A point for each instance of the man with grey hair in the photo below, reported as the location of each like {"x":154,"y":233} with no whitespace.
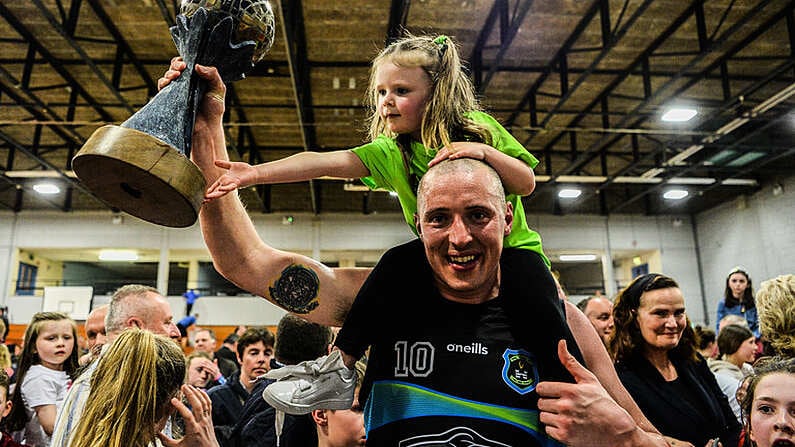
{"x":140,"y":306}
{"x":132,"y":305}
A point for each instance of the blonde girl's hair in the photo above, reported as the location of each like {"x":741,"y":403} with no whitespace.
{"x":5,"y":357}
{"x":451,"y":97}
{"x":775,"y":302}
{"x":18,"y":417}
{"x":131,"y":391}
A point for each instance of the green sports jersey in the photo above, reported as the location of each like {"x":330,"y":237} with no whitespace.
{"x":384,"y":160}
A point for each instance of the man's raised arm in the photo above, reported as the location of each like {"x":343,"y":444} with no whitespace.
{"x":293,"y":282}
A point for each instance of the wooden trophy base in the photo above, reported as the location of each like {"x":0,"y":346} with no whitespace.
{"x":141,"y":175}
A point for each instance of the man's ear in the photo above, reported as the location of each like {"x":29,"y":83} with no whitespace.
{"x":508,"y":218}
{"x":320,"y":417}
{"x":135,"y":322}
{"x":417,"y":224}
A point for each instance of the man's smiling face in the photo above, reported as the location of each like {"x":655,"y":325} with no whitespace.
{"x":463,"y":218}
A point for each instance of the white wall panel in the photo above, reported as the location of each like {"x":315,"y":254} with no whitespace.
{"x":756,"y":232}
{"x":758,"y":235}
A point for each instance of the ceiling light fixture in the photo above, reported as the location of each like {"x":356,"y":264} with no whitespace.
{"x":675,"y":194}
{"x":46,"y":188}
{"x":679,"y":115}
{"x":118,"y":255}
{"x":569,"y":193}
{"x":746,"y":158}
{"x":577,"y":258}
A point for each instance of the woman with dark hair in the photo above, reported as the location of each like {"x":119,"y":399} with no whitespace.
{"x":738,"y":299}
{"x":737,"y":347}
{"x":656,"y":360}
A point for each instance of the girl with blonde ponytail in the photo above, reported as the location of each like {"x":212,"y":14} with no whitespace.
{"x":134,"y":391}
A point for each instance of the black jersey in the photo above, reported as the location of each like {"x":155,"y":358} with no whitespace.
{"x":447,"y":373}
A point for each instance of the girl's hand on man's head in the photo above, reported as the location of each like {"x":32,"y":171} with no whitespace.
{"x":461,"y":149}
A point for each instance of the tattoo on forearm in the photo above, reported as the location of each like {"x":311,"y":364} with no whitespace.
{"x":296,"y":289}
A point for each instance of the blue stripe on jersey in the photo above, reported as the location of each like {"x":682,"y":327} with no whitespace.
{"x":402,"y":400}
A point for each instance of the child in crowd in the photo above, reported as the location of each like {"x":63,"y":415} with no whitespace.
{"x":707,"y":343}
{"x":738,"y":299}
{"x":201,"y":372}
{"x":48,"y":359}
{"x":5,"y":407}
{"x":342,"y":428}
{"x":737,"y":353}
{"x":769,"y":404}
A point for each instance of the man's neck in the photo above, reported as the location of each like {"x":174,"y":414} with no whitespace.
{"x":246,"y":383}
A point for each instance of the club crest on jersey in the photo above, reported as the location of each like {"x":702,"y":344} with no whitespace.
{"x":520,"y":371}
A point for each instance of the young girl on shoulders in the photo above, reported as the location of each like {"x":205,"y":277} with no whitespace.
{"x":47,"y":361}
{"x":423,"y":109}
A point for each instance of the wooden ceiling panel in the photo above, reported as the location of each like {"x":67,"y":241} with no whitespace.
{"x":56,"y":97}
{"x":344,"y":31}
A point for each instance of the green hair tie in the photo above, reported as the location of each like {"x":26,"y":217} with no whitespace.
{"x":441,"y":42}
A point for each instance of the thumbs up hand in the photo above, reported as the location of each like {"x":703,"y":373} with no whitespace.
{"x":583,"y":413}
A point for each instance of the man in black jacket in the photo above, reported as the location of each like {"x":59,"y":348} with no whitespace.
{"x":254,"y":352}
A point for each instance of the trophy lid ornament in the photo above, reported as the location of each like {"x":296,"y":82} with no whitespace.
{"x":142,"y":167}
{"x":254,"y":19}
